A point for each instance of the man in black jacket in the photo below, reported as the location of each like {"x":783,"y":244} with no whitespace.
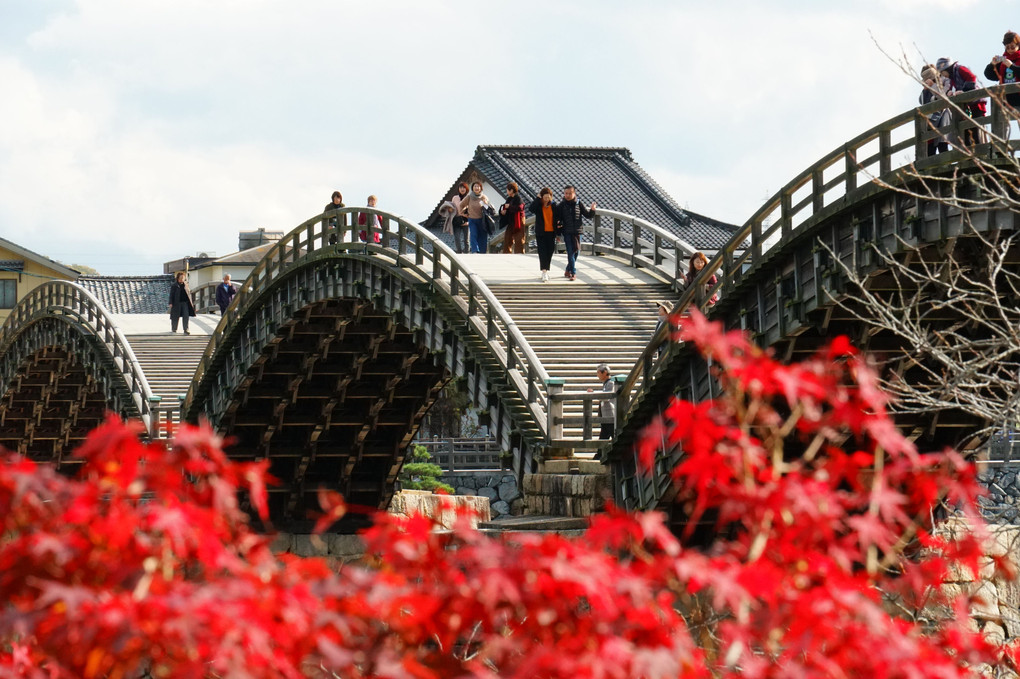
{"x":571,"y":215}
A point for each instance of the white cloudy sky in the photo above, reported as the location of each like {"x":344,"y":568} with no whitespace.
{"x":138,"y":131}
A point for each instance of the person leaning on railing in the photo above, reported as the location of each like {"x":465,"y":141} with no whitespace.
{"x":962,"y":79}
{"x":935,"y":87}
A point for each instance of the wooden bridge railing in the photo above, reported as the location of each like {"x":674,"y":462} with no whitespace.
{"x":79,"y":307}
{"x":408,"y":246}
{"x":637,"y":241}
{"x":463,"y":454}
{"x":829,"y":185}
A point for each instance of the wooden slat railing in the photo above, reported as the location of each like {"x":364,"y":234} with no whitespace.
{"x":632,"y":239}
{"x":78,"y":306}
{"x":830,"y":184}
{"x":408,"y":246}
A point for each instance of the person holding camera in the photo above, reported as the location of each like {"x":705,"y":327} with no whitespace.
{"x":1005,"y":69}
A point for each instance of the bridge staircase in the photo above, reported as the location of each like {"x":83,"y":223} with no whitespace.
{"x":574,"y":326}
{"x":169,"y":362}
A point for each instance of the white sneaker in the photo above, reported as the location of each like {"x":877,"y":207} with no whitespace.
{"x":545,"y":276}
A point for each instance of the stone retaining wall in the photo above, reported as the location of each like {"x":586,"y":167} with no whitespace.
{"x":1002,"y":504}
{"x":498,"y":486}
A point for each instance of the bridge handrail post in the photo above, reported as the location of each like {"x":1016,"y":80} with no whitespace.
{"x":554,"y":413}
{"x":635,"y":244}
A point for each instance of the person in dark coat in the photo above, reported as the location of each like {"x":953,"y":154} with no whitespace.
{"x":511,"y":218}
{"x":335,"y":203}
{"x":181,"y":304}
{"x":545,"y":211}
{"x":571,"y":213}
{"x":224,"y":293}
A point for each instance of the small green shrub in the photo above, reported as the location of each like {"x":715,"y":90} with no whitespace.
{"x":420,"y":473}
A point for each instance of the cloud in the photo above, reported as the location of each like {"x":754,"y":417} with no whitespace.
{"x":134,"y":133}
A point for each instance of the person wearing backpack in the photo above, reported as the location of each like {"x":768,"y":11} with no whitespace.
{"x":962,"y":79}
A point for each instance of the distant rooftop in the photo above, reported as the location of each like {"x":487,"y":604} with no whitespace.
{"x":14,"y":265}
{"x":609,"y":176}
{"x":130,"y":294}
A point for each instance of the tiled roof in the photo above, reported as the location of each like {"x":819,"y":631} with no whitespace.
{"x":250,"y":256}
{"x":606,"y":175}
{"x":67,"y":271}
{"x":130,"y":294}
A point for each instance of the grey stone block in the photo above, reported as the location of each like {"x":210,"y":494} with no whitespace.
{"x":490,"y":493}
{"x":309,"y":545}
{"x":345,"y":545}
{"x":464,"y":490}
{"x":508,"y":491}
{"x":500,"y":508}
{"x":282,"y":543}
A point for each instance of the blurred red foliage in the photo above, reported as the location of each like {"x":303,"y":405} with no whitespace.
{"x":146,"y":565}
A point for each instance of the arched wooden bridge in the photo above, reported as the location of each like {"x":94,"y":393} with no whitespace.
{"x":334,"y":349}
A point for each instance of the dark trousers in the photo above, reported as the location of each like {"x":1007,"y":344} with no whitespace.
{"x":607,"y":431}
{"x":545,"y":241}
{"x":460,"y":239}
{"x":573,"y":243}
{"x":179,"y":310}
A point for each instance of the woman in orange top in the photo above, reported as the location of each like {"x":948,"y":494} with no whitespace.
{"x":546,"y":228}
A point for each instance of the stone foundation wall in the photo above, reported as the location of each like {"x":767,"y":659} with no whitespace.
{"x":996,"y":608}
{"x":1002,"y":504}
{"x":565,"y":494}
{"x":500,"y":487}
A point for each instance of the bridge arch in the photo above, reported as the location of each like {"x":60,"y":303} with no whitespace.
{"x":778,"y":276}
{"x":63,"y":365}
{"x":334,"y":349}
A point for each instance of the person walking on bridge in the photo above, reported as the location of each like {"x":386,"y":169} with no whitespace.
{"x":224,"y":293}
{"x":546,"y":226}
{"x":571,"y":214}
{"x":511,"y":218}
{"x":473,"y":207}
{"x":182,"y":306}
